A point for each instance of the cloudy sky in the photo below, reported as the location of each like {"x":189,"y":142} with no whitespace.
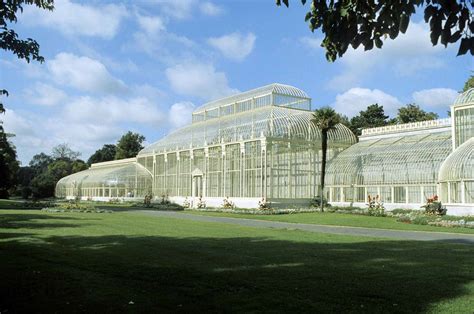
{"x":144,"y":65}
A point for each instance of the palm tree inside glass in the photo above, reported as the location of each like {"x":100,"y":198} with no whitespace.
{"x":325,"y":119}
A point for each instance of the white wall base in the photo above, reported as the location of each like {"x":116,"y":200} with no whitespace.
{"x":239,"y":202}
{"x":106,"y":199}
{"x":460,"y":210}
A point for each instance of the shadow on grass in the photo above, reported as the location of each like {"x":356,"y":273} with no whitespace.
{"x":164,"y":274}
{"x":33,"y":221}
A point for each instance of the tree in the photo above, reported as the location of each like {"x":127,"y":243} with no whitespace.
{"x":44,"y":182}
{"x":325,"y":119}
{"x":40,"y":162}
{"x":78,"y":165}
{"x":106,"y":153}
{"x":43,"y":185}
{"x":368,"y":23}
{"x":373,"y":116}
{"x":24,"y":49}
{"x":129,"y":145}
{"x":24,"y":177}
{"x":44,"y":171}
{"x":469,"y":83}
{"x":8,"y":164}
{"x":63,"y":151}
{"x":413,"y":113}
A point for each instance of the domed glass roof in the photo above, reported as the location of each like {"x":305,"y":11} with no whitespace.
{"x":460,"y":164}
{"x":274,"y":122}
{"x":115,"y":175}
{"x":403,"y":159}
{"x":465,"y":98}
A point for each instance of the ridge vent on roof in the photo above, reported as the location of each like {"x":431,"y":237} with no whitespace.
{"x":429,"y":124}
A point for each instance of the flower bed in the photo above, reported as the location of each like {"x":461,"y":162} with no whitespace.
{"x":74,"y":207}
{"x":252,"y":211}
{"x":421,"y":218}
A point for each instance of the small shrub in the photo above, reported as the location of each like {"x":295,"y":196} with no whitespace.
{"x":263,"y":204}
{"x":147,"y":201}
{"x":376,"y":207}
{"x":226,"y":203}
{"x":316,"y":202}
{"x":201,"y":203}
{"x":165,"y":199}
{"x":434,"y":207}
{"x":186,"y":203}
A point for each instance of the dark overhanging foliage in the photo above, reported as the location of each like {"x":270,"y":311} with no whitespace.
{"x":353,"y":23}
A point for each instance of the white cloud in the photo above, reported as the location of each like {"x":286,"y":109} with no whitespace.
{"x":179,"y":9}
{"x":435,"y":98}
{"x":408,"y":55}
{"x":86,"y":123}
{"x":79,"y":19}
{"x":150,"y":24}
{"x":357,"y":99}
{"x":311,"y":42}
{"x":209,"y":8}
{"x":112,"y":110}
{"x":235,"y":46}
{"x":45,"y":95}
{"x":84,"y":74}
{"x":180,"y":113}
{"x":184,"y":9}
{"x":155,"y":40}
{"x":201,"y":80}
{"x":17,"y":124}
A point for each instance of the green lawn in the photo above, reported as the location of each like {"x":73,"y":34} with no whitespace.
{"x":78,"y":262}
{"x":336,"y":219}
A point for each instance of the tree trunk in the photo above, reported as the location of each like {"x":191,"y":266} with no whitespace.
{"x":324,"y":147}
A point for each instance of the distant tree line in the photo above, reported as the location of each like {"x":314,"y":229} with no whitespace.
{"x":38,"y":179}
{"x":374,"y":116}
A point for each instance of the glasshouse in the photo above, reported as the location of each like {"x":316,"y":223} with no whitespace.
{"x":262,"y":145}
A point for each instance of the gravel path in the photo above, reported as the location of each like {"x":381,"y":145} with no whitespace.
{"x":357,"y":231}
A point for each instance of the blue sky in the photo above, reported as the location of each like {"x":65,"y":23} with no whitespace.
{"x":144,"y":65}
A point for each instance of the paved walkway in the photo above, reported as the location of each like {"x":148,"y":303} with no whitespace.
{"x":358,"y":231}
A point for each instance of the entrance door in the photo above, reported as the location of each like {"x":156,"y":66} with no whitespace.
{"x":197,"y":186}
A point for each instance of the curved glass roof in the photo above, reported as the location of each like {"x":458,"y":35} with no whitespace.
{"x":114,"y":175}
{"x":460,"y":164}
{"x":270,"y":121}
{"x":465,"y":98}
{"x":274,"y":88}
{"x":403,"y":159}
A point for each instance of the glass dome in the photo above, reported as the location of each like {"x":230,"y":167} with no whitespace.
{"x":269,"y":121}
{"x":107,"y":180}
{"x":460,"y":164}
{"x":456,"y":175}
{"x":403,"y":159}
{"x":465,"y":98}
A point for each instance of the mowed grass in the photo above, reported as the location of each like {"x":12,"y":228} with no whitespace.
{"x":131,"y":262}
{"x":336,"y":219}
